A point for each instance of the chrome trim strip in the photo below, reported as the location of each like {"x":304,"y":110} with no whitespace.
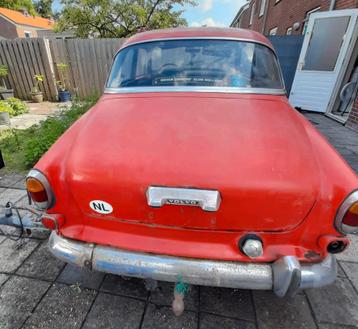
{"x":35,"y":173}
{"x":208,"y":200}
{"x":347,"y":203}
{"x":195,"y":271}
{"x":185,"y":89}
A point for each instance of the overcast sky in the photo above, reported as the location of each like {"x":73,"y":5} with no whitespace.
{"x":208,"y":12}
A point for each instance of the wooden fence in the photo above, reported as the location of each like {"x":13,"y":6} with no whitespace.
{"x":88,"y":60}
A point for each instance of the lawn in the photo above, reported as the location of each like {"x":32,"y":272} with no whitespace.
{"x":21,"y":149}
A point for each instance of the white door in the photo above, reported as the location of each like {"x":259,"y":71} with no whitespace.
{"x":324,"y":48}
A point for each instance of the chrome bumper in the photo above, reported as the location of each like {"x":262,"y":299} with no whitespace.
{"x":285,"y":276}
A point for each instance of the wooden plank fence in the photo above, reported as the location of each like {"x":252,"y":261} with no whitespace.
{"x":88,"y":60}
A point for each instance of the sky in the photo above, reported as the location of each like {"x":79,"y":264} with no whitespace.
{"x":207,"y":12}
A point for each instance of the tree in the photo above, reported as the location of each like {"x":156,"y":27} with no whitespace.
{"x":119,"y":18}
{"x":18,"y":5}
{"x":44,"y":8}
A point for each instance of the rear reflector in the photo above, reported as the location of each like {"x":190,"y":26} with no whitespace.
{"x":347,"y":215}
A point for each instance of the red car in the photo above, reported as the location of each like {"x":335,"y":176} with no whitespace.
{"x":194,"y":167}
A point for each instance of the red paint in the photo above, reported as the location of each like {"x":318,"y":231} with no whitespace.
{"x":278,"y":177}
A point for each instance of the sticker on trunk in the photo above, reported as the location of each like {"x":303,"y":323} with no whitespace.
{"x":102,"y":207}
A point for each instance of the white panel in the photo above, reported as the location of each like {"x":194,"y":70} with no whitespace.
{"x":312,"y":91}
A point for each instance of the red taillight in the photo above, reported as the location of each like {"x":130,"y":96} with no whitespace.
{"x":347,"y":215}
{"x":39,"y":189}
{"x":351,"y":216}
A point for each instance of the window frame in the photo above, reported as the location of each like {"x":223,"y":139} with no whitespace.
{"x":252,"y":13}
{"x":273,"y":29}
{"x":262,"y":7}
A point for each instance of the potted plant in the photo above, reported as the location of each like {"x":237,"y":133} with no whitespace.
{"x":36,"y":93}
{"x":4,"y":113}
{"x":63,"y":94}
{"x":4,"y":92}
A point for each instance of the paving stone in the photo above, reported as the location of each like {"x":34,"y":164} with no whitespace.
{"x":12,"y":195}
{"x":162,"y":317}
{"x":20,"y":184}
{"x":275,"y":313}
{"x":351,"y":253}
{"x":41,"y":265}
{"x":164,"y":295}
{"x":2,"y":238}
{"x":7,"y":180}
{"x":13,"y":253}
{"x":18,"y":297}
{"x":336,"y":303}
{"x":334,"y":326}
{"x":125,"y":286}
{"x":81,"y":276}
{"x":227,"y":302}
{"x":210,"y":321}
{"x":3,"y":278}
{"x":352,"y":272}
{"x":23,"y":203}
{"x":61,"y":308}
{"x":340,"y":272}
{"x":110,"y":312}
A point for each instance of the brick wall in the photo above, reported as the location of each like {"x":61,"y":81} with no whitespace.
{"x":352,"y":121}
{"x":7,"y":29}
{"x":284,"y":13}
{"x":21,"y":31}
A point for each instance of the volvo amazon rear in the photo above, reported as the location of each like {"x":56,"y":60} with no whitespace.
{"x":194,"y":164}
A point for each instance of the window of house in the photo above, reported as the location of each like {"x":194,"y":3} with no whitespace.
{"x":273,"y":31}
{"x":262,"y":7}
{"x":307,"y":17}
{"x":289,"y":31}
{"x":27,"y":34}
{"x":252,"y":13}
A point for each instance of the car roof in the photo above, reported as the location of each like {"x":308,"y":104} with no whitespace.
{"x":199,"y":32}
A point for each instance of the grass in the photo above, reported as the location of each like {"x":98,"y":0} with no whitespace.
{"x":21,"y":149}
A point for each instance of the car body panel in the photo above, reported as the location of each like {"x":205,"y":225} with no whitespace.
{"x":277,"y":176}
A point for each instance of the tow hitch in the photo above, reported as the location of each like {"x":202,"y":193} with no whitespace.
{"x":26,"y":224}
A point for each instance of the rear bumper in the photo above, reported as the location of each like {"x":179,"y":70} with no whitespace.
{"x":285,"y":276}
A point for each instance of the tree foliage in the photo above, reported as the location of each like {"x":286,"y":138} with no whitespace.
{"x":44,"y":8}
{"x":19,"y":4}
{"x":119,"y":18}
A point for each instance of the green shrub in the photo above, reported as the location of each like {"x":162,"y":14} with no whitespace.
{"x":13,"y":106}
{"x":5,"y":107}
{"x":51,"y":129}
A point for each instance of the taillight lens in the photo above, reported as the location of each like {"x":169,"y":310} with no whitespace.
{"x":347,"y":215}
{"x":39,"y":189}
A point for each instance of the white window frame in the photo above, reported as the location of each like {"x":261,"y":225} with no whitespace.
{"x":262,"y":7}
{"x":273,"y":31}
{"x":28,"y":33}
{"x":253,"y":7}
{"x":289,"y":30}
{"x":307,"y":17}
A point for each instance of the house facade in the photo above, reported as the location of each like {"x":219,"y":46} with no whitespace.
{"x":280,"y":17}
{"x":19,"y":24}
{"x":291,"y":17}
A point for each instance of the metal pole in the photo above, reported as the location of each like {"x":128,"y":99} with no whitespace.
{"x":332,"y":5}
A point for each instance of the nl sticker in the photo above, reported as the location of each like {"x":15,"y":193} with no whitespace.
{"x":101,"y":207}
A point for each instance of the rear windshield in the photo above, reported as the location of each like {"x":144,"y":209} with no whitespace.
{"x":225,"y":63}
